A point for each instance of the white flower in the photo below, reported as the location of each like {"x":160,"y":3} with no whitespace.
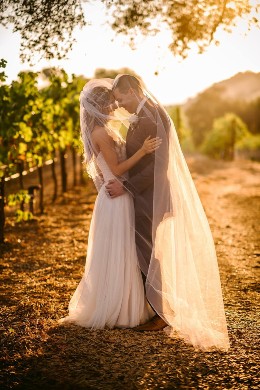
{"x":133,"y":119}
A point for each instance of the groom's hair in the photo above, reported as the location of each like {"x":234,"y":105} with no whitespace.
{"x":126,"y":81}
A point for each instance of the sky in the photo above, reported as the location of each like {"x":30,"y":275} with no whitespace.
{"x":177,"y":80}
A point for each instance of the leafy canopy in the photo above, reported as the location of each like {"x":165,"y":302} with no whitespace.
{"x":46,"y":26}
{"x":189,"y":21}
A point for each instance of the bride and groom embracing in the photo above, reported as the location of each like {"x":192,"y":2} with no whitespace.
{"x":151,"y":261}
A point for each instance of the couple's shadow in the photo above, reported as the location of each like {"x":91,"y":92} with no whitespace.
{"x":73,"y":357}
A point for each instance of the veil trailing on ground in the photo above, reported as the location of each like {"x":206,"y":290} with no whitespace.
{"x":182,"y":281}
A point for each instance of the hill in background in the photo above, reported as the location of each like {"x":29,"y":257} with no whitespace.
{"x":243,"y":86}
{"x":239,"y":95}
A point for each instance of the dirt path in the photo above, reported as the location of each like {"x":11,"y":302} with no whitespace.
{"x":43,"y":262}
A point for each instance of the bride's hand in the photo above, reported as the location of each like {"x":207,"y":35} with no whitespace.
{"x":151,"y":144}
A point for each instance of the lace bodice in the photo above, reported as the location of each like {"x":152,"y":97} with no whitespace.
{"x":104,"y":168}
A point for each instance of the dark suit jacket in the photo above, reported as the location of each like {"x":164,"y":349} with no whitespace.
{"x":141,"y":176}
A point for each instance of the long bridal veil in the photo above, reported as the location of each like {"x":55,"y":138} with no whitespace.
{"x":182,"y":280}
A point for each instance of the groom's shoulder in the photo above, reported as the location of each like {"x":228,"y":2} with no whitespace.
{"x":147,"y":119}
{"x":148,"y":114}
{"x":147,"y":126}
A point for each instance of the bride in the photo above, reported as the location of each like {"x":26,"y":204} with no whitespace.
{"x":111,"y":292}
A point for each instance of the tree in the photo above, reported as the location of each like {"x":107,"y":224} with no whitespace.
{"x":189,"y":21}
{"x":226,"y":132}
{"x":46,"y":26}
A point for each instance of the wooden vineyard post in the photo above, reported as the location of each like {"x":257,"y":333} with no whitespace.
{"x":31,"y":192}
{"x":63,"y":170}
{"x":20,"y":169}
{"x":41,"y":188}
{"x":2,"y":207}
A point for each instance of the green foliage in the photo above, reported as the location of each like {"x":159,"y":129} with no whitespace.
{"x":37,"y":122}
{"x":249,"y":147}
{"x":251,"y":142}
{"x":227,"y":131}
{"x":23,"y":216}
{"x":20,"y":196}
{"x":2,"y":65}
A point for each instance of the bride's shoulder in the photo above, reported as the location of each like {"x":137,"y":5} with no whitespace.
{"x":99,"y":131}
{"x":99,"y":134}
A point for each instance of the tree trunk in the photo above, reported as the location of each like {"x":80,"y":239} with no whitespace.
{"x":63,"y":171}
{"x":41,"y":189}
{"x":55,"y":182}
{"x":74,"y":161}
{"x":20,"y":169}
{"x":2,"y":208}
{"x":81,"y":172}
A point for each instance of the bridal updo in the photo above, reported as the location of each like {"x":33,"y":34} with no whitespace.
{"x":101,"y":98}
{"x":97,"y":105}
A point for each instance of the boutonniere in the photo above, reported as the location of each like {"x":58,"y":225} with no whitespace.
{"x":133,"y":119}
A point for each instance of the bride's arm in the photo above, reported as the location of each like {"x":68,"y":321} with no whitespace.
{"x":106,"y":145}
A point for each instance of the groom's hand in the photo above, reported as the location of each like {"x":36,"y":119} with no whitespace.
{"x":114,"y":188}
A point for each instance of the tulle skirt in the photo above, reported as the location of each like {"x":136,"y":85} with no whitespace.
{"x":111,"y":291}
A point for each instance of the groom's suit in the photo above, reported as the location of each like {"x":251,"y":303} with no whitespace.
{"x":141,"y":182}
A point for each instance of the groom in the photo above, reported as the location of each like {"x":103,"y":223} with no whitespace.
{"x":128,"y":93}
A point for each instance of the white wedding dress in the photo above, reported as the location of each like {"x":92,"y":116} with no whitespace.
{"x":111,"y":292}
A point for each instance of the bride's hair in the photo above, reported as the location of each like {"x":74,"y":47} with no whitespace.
{"x":96,"y":101}
{"x":100,"y":98}
{"x":126,"y":81}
